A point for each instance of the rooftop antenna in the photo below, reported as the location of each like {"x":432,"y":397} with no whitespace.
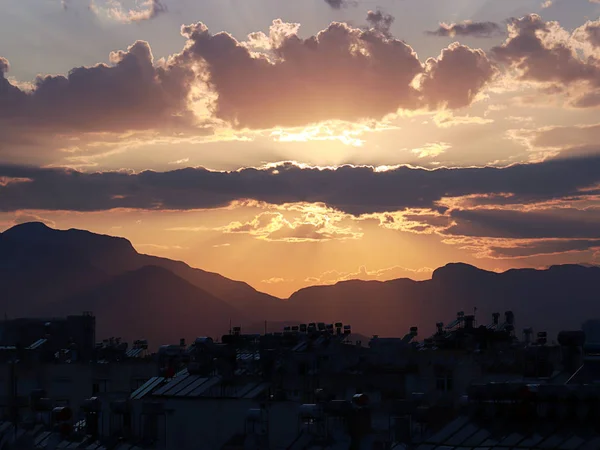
{"x":230,"y":325}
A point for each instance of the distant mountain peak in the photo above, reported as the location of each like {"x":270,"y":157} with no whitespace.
{"x":83,"y":240}
{"x":28,"y":227}
{"x":453,"y":270}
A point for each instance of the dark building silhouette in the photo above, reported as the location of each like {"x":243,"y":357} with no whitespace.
{"x":77,"y":333}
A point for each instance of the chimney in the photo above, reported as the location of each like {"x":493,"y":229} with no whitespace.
{"x":469,"y":321}
{"x":542,"y":338}
{"x":496,"y":317}
{"x":509,"y":317}
{"x":527,"y":333}
{"x":440,"y":327}
{"x":572,"y":343}
{"x":182,"y":342}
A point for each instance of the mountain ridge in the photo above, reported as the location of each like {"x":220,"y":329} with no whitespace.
{"x":71,"y":270}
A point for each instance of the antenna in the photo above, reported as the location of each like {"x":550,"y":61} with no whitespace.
{"x":230,"y":325}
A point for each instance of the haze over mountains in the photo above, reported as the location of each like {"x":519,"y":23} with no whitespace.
{"x":50,"y":272}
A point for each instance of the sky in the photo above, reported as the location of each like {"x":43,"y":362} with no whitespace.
{"x":289,"y":143}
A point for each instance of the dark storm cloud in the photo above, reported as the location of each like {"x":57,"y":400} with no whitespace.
{"x":355,"y":190}
{"x":470,"y":29}
{"x":555,"y":223}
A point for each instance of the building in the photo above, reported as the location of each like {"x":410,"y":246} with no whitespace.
{"x":308,"y":386}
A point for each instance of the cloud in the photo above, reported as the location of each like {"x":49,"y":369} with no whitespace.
{"x":132,"y":93}
{"x":424,"y":221}
{"x":342,"y":74}
{"x":589,"y":33}
{"x":4,"y":65}
{"x":276,"y":280}
{"x":328,"y":76}
{"x":566,"y":141}
{"x":5,"y":181}
{"x":501,"y":223}
{"x":380,"y":21}
{"x":540,"y":52}
{"x":445,"y":119}
{"x":180,"y":161}
{"x":545,"y":53}
{"x":456,"y":77}
{"x":339,"y":4}
{"x":541,"y":247}
{"x":431,"y":150}
{"x":304,"y":81}
{"x":114,"y":10}
{"x":348,"y":133}
{"x":390,"y":273}
{"x":24,"y":217}
{"x":161,"y":247}
{"x":310,"y":227}
{"x":468,"y":28}
{"x":351,"y":189}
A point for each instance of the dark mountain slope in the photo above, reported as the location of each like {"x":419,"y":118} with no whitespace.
{"x":76,"y":270}
{"x":237,"y":293}
{"x":152,"y":303}
{"x":553,"y":299}
{"x":88,"y":259}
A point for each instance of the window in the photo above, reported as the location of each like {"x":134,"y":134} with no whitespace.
{"x":302,"y":369}
{"x":444,"y":380}
{"x":100,"y":386}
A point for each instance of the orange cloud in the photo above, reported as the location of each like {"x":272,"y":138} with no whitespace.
{"x":390,"y":273}
{"x":114,"y":10}
{"x":310,"y":227}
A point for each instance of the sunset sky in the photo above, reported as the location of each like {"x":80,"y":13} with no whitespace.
{"x":287,"y":143}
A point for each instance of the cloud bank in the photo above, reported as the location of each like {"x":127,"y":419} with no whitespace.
{"x":351,"y":189}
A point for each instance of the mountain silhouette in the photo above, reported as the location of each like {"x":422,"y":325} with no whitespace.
{"x":76,"y":260}
{"x":151,"y":301}
{"x":560,"y":297}
{"x":53,"y":272}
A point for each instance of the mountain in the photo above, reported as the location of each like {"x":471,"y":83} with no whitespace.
{"x":561,"y":297}
{"x":47,"y":271}
{"x":151,"y":301}
{"x":42,"y":265}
